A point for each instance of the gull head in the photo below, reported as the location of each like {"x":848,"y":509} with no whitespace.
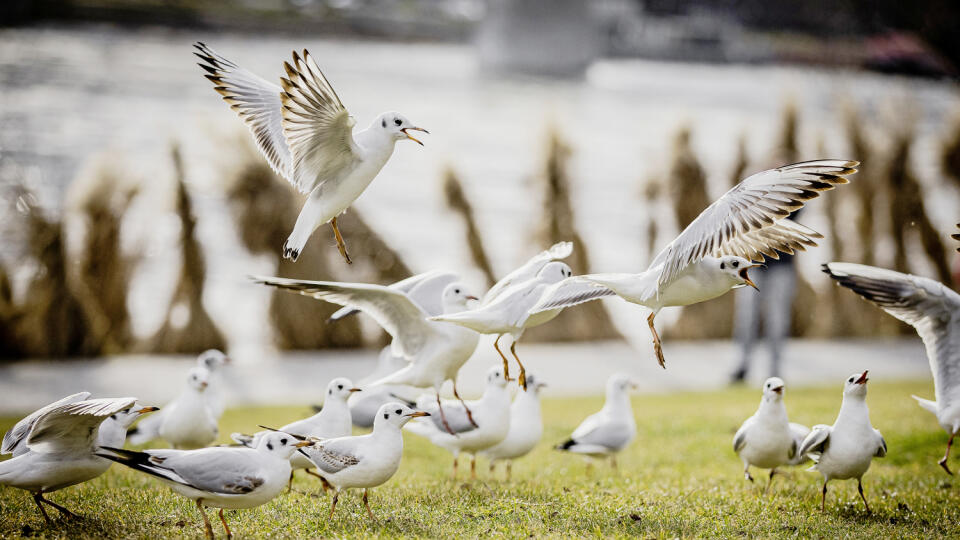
{"x":773,"y":389}
{"x":397,"y":126}
{"x":340,"y":389}
{"x":736,"y":268}
{"x":198,"y":379}
{"x":620,"y":383}
{"x":396,"y":414}
{"x":282,"y":444}
{"x":534,"y":384}
{"x":455,"y":297}
{"x":856,"y":385}
{"x":495,"y":378}
{"x":212,"y":359}
{"x":554,"y":272}
{"x":128,"y":416}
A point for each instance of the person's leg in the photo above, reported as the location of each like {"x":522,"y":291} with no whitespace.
{"x":781,"y":282}
{"x":745,"y":325}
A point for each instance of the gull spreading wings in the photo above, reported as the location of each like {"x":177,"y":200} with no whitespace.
{"x":302,"y":129}
{"x":72,"y":427}
{"x":529,"y":270}
{"x":424,"y":289}
{"x":14,"y":441}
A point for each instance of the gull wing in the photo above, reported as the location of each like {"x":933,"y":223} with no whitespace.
{"x":927,"y":305}
{"x":817,"y":440}
{"x":334,"y":455}
{"x":317,"y":126}
{"x":456,"y":416}
{"x":394,"y":311}
{"x":223,"y":470}
{"x":256,"y":101}
{"x":882,"y":449}
{"x":734,"y":221}
{"x":73,"y":427}
{"x":420,"y":288}
{"x":14,"y":440}
{"x":572,"y":291}
{"x":597,"y":430}
{"x":529,"y":270}
{"x":740,"y":437}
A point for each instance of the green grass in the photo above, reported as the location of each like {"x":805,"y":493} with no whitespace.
{"x":679,"y":478}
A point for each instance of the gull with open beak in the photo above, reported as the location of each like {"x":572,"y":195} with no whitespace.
{"x":610,"y":430}
{"x":715,"y":252}
{"x":332,"y":421}
{"x":221,"y":477}
{"x":55,"y":447}
{"x":846,"y":449}
{"x":435,"y":350}
{"x":364,"y":461}
{"x":767,"y":439}
{"x":306,"y":134}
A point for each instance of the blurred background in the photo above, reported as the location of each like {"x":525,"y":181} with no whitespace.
{"x":134,"y":202}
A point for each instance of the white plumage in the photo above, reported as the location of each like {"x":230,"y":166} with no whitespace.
{"x":526,"y":427}
{"x":610,"y":430}
{"x":189,"y":421}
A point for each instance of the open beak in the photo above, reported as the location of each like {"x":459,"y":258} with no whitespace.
{"x":145,"y":410}
{"x":418,"y":413}
{"x":746,"y":278}
{"x":406,"y":131}
{"x":863,"y":379}
{"x":302,"y":444}
{"x":472,"y":297}
{"x":356,"y":390}
{"x":778,"y":389}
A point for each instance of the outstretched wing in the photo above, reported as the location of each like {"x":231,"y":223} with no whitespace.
{"x":735,"y":222}
{"x":13,"y":440}
{"x":395,"y":312}
{"x":317,"y":126}
{"x":529,"y":270}
{"x":424,"y":289}
{"x":73,"y":427}
{"x":570,"y":292}
{"x":255,"y":100}
{"x":931,"y":308}
{"x":816,"y":441}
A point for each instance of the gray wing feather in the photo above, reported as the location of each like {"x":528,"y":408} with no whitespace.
{"x":13,"y":440}
{"x":456,"y":416}
{"x":73,"y":426}
{"x":529,"y":270}
{"x":817,"y":440}
{"x":331,"y":457}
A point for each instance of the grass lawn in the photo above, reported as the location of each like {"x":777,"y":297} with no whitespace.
{"x":679,"y":478}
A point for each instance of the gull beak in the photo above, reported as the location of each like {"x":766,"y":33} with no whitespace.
{"x":746,"y":279}
{"x":778,"y":389}
{"x":406,"y":131}
{"x":472,"y":297}
{"x":145,"y":410}
{"x":294,"y":435}
{"x":303,"y":444}
{"x":204,"y":384}
{"x":417,"y":414}
{"x":226,"y":360}
{"x":863,"y":379}
{"x":356,"y":390}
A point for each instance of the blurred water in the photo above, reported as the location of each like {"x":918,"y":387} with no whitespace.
{"x":67,"y":93}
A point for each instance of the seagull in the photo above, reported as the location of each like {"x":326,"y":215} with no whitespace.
{"x":189,"y":421}
{"x":306,"y":134}
{"x":505,"y":309}
{"x":54,"y":447}
{"x":609,"y":431}
{"x":526,"y":427}
{"x":364,"y":461}
{"x":716,"y":251}
{"x":767,"y":439}
{"x":492,"y":422}
{"x":219,"y":477}
{"x":425,"y":289}
{"x":212,"y":362}
{"x":435,"y":351}
{"x":931,"y":308}
{"x":332,"y":421}
{"x":845,"y":449}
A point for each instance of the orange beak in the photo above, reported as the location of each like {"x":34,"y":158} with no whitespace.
{"x":418,"y":413}
{"x":746,"y":278}
{"x":863,"y":379}
{"x":406,"y":131}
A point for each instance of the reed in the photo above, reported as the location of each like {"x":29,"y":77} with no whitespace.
{"x":458,"y":202}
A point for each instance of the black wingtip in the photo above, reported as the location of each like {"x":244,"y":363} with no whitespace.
{"x":566,"y":445}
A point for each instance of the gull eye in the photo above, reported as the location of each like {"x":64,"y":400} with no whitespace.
{"x":397,"y":121}
{"x":723,"y":266}
{"x":383,"y":123}
{"x":398,"y":411}
{"x":283,"y":441}
{"x":339,"y":387}
{"x":330,"y":392}
{"x":850,"y":379}
{"x":386,"y":415}
{"x":113,"y":416}
{"x":456,"y":291}
{"x":269,"y":446}
{"x":736,"y":264}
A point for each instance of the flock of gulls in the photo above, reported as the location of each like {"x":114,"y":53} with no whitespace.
{"x":434,"y":319}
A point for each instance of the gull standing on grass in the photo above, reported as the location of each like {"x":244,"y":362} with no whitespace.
{"x":610,"y":430}
{"x":54,"y":447}
{"x":713,"y":254}
{"x":364,"y":461}
{"x":768,"y":439}
{"x":435,"y":351}
{"x":846,"y":449}
{"x":505,"y":309}
{"x":526,"y":427}
{"x":213,"y":362}
{"x":492,"y":415}
{"x":332,"y":421}
{"x":934,"y":311}
{"x":307,"y":136}
{"x":221,"y":477}
{"x":189,"y":421}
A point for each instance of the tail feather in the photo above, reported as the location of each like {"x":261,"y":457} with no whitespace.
{"x":141,"y":461}
{"x":243,"y":439}
{"x":926,"y":404}
{"x":566,"y":445}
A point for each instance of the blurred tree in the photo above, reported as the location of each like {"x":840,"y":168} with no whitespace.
{"x":457,"y":201}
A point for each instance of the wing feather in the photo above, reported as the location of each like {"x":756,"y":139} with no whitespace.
{"x":529,"y":270}
{"x":73,"y":427}
{"x":331,"y":456}
{"x":760,"y":202}
{"x":13,"y":440}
